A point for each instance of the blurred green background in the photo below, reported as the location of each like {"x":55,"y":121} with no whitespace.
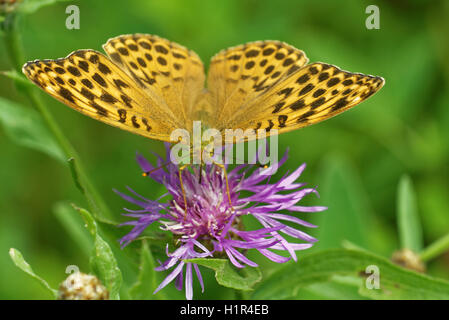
{"x":355,"y":159}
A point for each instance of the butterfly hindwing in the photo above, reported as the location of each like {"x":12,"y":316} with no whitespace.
{"x":239,"y":74}
{"x":90,"y":83}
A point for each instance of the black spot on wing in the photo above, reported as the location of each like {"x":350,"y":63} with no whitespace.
{"x":99,"y":79}
{"x":297,"y":105}
{"x":303,"y":79}
{"x":341,"y":103}
{"x":100,"y":110}
{"x":270,"y":125}
{"x":304,"y":116}
{"x":278,"y":106}
{"x":123,"y":51}
{"x":306,"y":89}
{"x":161,"y":61}
{"x":74,"y":71}
{"x":66,"y":94}
{"x":94,"y":58}
{"x":252,"y":53}
{"x":126,"y":100}
{"x":282,"y":119}
{"x":87,"y":83}
{"x":318,"y":102}
{"x":88,"y":94}
{"x":103,"y":68}
{"x":83,"y":65}
{"x":122,"y":115}
{"x":106,"y":97}
{"x":161,"y":49}
{"x":120,"y":84}
{"x":134,"y":122}
{"x":145,"y":122}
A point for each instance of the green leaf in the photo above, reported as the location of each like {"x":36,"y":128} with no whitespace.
{"x":30,"y":6}
{"x":105,"y":266}
{"x":25,"y":127}
{"x":435,"y":249}
{"x":16,"y":76}
{"x":73,"y":224}
{"x":410,"y":231}
{"x":147,"y":281}
{"x":348,"y":211}
{"x":103,"y":261}
{"x":228,"y":276}
{"x":395,"y":282}
{"x":20,"y":262}
{"x":337,"y":288}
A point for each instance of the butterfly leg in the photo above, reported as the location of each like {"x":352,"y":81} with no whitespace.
{"x":222,"y":166}
{"x":180,"y":169}
{"x":201,"y":173}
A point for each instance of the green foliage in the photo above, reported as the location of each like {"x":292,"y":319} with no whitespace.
{"x":395,"y":282}
{"x":18,"y":77}
{"x":102,"y":260}
{"x":147,"y":281}
{"x":71,"y":221}
{"x":30,"y":6}
{"x":355,"y":160}
{"x":348,"y":212}
{"x":228,"y":276}
{"x":410,"y":232}
{"x":26,"y":128}
{"x":20,"y":262}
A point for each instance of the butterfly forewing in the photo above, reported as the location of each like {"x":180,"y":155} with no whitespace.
{"x":90,"y":83}
{"x":165,"y":70}
{"x":314,"y":93}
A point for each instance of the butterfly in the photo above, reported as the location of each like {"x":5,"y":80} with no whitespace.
{"x":151,"y":86}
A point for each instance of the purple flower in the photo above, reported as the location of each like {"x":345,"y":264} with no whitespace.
{"x":210,"y":226}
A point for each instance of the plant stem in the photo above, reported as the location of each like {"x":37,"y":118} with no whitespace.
{"x":435,"y":249}
{"x":15,"y":52}
{"x":240,"y":295}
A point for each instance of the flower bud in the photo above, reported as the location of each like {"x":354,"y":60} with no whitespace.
{"x":408,"y":259}
{"x":81,"y":286}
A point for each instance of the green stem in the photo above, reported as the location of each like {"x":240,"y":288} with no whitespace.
{"x":15,"y":52}
{"x":13,"y":41}
{"x":435,"y":249}
{"x":240,"y":295}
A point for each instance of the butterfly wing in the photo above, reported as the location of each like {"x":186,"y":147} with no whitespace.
{"x":163,"y":68}
{"x":273,"y":90}
{"x":90,"y":83}
{"x":240,"y":74}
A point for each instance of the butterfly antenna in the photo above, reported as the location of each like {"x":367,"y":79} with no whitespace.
{"x":147,"y":173}
{"x":200,"y":173}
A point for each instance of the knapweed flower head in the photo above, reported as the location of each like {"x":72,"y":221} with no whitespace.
{"x":210,"y":227}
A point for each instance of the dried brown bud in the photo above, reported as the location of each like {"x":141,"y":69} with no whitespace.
{"x":7,"y":6}
{"x":81,"y":286}
{"x":408,"y":259}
